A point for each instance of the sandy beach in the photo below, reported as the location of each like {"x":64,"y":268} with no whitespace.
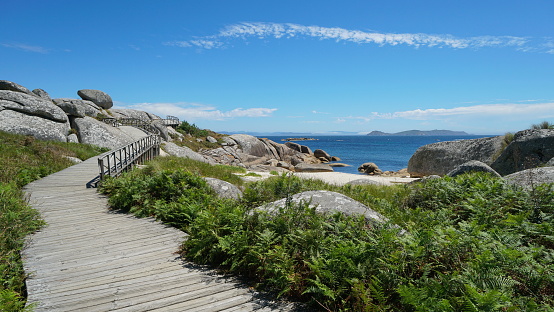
{"x":337,"y":178}
{"x":340,"y":178}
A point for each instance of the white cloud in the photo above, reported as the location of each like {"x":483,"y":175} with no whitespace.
{"x":542,"y":110}
{"x":25,"y":47}
{"x":318,"y":112}
{"x":287,"y":30}
{"x":193,"y":111}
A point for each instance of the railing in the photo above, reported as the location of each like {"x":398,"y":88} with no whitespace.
{"x":111,"y":121}
{"x":171,"y":121}
{"x":141,"y":124}
{"x":113,"y":163}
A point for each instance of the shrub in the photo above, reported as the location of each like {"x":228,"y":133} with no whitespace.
{"x":471,"y":242}
{"x":543,"y":125}
{"x":192,"y":129}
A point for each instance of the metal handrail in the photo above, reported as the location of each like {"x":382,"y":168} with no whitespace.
{"x":114,"y":162}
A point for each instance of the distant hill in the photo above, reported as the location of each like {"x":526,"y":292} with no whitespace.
{"x":420,"y":133}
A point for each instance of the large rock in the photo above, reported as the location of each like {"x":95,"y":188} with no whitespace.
{"x":224,"y":189}
{"x":295,"y":146}
{"x":328,"y":202}
{"x":98,"y":97}
{"x":133,"y":113}
{"x":249,"y":151}
{"x":253,"y":146}
{"x":92,"y":131}
{"x":442,"y":157}
{"x":363,"y":182}
{"x":529,"y":149}
{"x":164,"y":133}
{"x":73,"y":138}
{"x":550,"y":163}
{"x":12,"y":86}
{"x":42,"y":94}
{"x":41,"y":128}
{"x":472,"y":166}
{"x":303,"y":167}
{"x":185,"y":152}
{"x":531,"y":178}
{"x":72,"y":109}
{"x":370,"y":168}
{"x":31,"y":105}
{"x":319,"y":153}
{"x":75,"y":107}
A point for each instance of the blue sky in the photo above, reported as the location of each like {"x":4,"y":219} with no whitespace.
{"x":484,"y":67}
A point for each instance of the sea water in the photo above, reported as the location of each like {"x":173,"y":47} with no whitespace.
{"x":387,"y":152}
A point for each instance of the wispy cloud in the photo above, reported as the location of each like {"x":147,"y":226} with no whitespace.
{"x":318,"y":112}
{"x":286,"y":30}
{"x":544,"y":110}
{"x":25,"y":47}
{"x":193,"y":111}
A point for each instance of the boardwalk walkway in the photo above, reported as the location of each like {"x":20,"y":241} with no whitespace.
{"x":90,"y":259}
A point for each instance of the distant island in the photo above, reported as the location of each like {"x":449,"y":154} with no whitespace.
{"x":299,"y":139}
{"x":420,"y":133}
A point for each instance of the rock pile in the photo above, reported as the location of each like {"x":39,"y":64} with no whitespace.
{"x":66,"y":120}
{"x":525,"y":159}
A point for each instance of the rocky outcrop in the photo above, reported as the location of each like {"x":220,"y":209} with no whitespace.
{"x":31,"y":105}
{"x":224,"y":189}
{"x":529,"y":149}
{"x":370,"y":168}
{"x":27,"y":114}
{"x":321,"y":154}
{"x":42,"y":94}
{"x":12,"y":86}
{"x":550,"y":163}
{"x":531,"y":178}
{"x":78,"y":108}
{"x":211,"y":139}
{"x":249,"y":151}
{"x":303,"y":167}
{"x":327,"y":202}
{"x":38,"y":127}
{"x":472,"y":166}
{"x":164,"y":133}
{"x":98,"y":97}
{"x":132,"y":113}
{"x":73,"y":138}
{"x":183,"y":151}
{"x":92,"y":131}
{"x":442,"y":157}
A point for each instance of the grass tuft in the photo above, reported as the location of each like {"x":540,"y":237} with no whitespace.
{"x":25,"y":159}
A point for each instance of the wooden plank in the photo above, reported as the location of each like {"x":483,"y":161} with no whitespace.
{"x":89,"y":258}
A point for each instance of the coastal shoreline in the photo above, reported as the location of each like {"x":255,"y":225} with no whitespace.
{"x":336,"y":178}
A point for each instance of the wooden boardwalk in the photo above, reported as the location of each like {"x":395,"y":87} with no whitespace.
{"x":90,"y":259}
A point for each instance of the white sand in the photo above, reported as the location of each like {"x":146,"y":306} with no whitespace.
{"x":340,"y":178}
{"x":336,"y":178}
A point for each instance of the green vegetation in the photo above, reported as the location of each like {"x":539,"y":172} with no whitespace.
{"x":469,"y":243}
{"x":192,"y":129}
{"x":506,"y":140}
{"x":24,"y":160}
{"x":543,"y":125}
{"x":195,"y":138}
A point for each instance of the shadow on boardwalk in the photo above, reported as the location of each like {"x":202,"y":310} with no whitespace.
{"x":87,"y":259}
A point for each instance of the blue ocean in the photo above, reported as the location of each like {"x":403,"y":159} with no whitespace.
{"x":387,"y":152}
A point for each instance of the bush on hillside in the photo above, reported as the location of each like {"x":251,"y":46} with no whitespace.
{"x":472,"y":243}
